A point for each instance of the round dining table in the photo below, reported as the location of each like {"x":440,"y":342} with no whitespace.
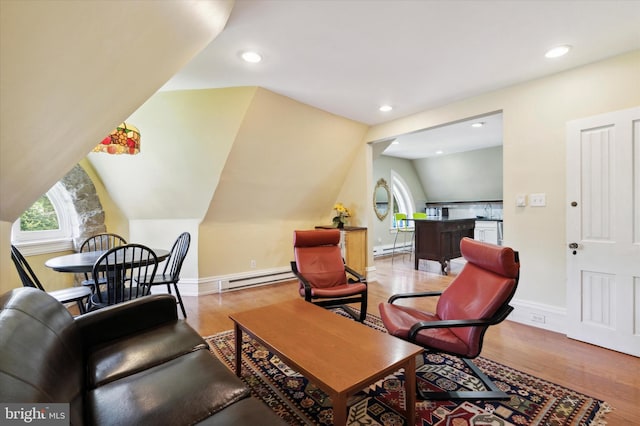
{"x":83,"y":262}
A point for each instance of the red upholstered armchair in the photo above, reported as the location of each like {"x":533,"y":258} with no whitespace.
{"x":477,"y":298}
{"x":324,"y":278}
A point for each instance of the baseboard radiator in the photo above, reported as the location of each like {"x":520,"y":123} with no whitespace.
{"x":387,"y":250}
{"x":253,"y":279}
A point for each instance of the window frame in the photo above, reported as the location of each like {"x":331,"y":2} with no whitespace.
{"x":40,"y":242}
{"x":401,"y":196}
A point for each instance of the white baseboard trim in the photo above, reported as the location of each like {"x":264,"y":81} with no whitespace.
{"x":534,"y":314}
{"x":539,"y":315}
{"x":371,"y":273}
{"x":222,"y":283}
{"x":189,"y":287}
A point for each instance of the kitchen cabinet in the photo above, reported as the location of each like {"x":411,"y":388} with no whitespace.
{"x":439,"y":239}
{"x":353,"y":243}
{"x":486,"y":231}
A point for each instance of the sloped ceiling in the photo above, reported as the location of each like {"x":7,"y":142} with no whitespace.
{"x":223,"y":155}
{"x":70,"y":71}
{"x":186,"y":139}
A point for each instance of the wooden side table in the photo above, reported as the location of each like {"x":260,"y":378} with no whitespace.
{"x":353,"y":241}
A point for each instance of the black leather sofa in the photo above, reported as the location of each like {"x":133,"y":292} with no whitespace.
{"x":134,"y":363}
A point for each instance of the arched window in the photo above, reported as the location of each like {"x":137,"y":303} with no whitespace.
{"x":77,"y":209}
{"x":402,"y":198}
{"x":47,"y":226}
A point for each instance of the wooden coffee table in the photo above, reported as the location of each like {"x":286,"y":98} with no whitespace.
{"x":339,"y":355}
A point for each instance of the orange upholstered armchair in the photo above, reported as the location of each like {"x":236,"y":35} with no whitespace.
{"x":477,"y":298}
{"x":324,"y":278}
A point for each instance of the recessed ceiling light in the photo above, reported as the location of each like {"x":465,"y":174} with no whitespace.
{"x":386,"y":108}
{"x":439,"y":152}
{"x":557,"y":51}
{"x":252,"y":57}
{"x":478,"y":124}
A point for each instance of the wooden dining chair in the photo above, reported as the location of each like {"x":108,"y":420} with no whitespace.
{"x":124,"y":269}
{"x":99,"y":242}
{"x":170,"y":274}
{"x":78,"y":295}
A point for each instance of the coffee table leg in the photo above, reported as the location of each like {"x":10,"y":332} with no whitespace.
{"x":339,"y":409}
{"x":238,"y":332}
{"x":410,"y":390}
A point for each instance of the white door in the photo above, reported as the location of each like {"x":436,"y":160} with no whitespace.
{"x":603,"y":230}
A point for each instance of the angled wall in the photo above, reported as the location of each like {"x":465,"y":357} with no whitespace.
{"x":167,"y":189}
{"x":66,"y":79}
{"x":288,"y":165}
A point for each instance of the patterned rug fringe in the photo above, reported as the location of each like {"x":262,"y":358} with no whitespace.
{"x":598,"y":417}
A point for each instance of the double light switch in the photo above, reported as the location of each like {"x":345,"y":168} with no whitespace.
{"x":535,"y":200}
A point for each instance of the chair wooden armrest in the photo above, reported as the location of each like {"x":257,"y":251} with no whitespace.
{"x":410,"y":295}
{"x":495,"y":319}
{"x":303,"y":280}
{"x":360,"y":278}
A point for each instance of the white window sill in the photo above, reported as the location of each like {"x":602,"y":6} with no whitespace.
{"x":32,"y":248}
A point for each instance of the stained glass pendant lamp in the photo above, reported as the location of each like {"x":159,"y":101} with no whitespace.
{"x":124,"y":139}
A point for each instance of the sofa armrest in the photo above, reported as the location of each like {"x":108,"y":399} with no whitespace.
{"x":126,"y":318}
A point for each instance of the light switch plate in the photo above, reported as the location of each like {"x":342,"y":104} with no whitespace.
{"x":521,"y":200}
{"x":538,"y":200}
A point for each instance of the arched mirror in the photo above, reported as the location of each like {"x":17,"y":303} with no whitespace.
{"x":381,"y":199}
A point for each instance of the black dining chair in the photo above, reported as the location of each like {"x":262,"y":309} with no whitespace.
{"x":123,"y":268}
{"x":79,"y":295}
{"x":99,"y":242}
{"x":170,"y":274}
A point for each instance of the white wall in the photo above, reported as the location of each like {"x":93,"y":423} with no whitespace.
{"x":464,"y":176}
{"x":163,"y":233}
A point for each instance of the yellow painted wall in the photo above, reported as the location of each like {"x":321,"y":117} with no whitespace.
{"x":286,"y":169}
{"x":50,"y":279}
{"x":535,"y":114}
{"x":186,"y":137}
{"x":8,"y":276}
{"x":63,"y":106}
{"x":66,"y":81}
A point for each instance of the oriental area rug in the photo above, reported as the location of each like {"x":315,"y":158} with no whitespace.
{"x":291,"y":396}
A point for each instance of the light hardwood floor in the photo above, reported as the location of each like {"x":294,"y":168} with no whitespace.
{"x":603,"y":374}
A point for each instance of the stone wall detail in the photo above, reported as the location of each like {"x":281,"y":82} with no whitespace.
{"x":84,"y":199}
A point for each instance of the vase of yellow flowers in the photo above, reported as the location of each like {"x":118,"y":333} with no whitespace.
{"x":342,"y":215}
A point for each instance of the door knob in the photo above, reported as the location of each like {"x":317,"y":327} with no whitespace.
{"x":573,"y":246}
